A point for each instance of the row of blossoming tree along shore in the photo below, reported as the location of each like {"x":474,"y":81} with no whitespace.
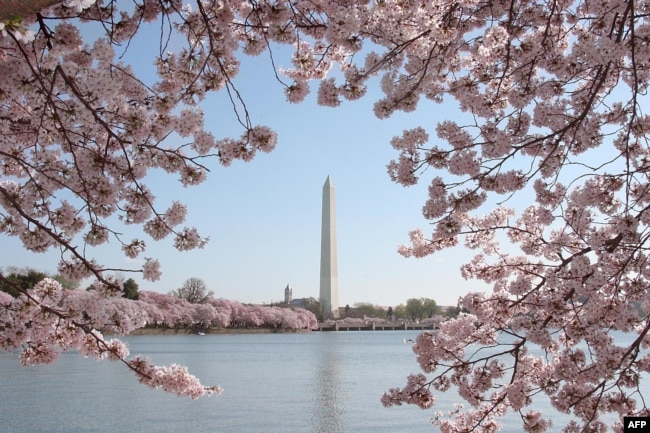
{"x":169,"y":311}
{"x":120,"y":315}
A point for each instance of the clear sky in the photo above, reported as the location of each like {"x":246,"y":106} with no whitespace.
{"x":263,"y":217}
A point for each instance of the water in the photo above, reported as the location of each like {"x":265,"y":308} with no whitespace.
{"x":286,"y":383}
{"x":321,"y":382}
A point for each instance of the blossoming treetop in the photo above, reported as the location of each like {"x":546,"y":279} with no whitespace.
{"x":554,"y":91}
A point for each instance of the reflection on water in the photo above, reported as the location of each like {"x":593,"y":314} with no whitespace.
{"x":328,"y":392}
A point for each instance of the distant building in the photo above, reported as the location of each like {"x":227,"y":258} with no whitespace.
{"x":297,"y":303}
{"x":288,"y":295}
{"x":289,"y":301}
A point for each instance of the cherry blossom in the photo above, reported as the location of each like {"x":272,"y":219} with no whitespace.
{"x":543,"y":178}
{"x":44,"y":321}
{"x":170,"y":311}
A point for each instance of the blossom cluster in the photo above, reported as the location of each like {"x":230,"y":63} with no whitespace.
{"x":544,"y":87}
{"x":44,"y":321}
{"x":174,"y":378}
{"x":77,"y":122}
{"x":167,"y":310}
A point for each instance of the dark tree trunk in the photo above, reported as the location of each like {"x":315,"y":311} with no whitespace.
{"x":10,"y":9}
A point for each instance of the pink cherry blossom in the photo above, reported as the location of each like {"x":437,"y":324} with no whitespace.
{"x":544,"y":176}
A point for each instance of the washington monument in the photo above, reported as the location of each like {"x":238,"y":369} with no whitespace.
{"x":329,"y":278}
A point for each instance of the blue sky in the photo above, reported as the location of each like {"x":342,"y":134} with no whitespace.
{"x":263,"y":217}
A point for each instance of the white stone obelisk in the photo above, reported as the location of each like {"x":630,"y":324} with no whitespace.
{"x":329,"y":279}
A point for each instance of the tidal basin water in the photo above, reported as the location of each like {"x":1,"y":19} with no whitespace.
{"x":321,"y":382}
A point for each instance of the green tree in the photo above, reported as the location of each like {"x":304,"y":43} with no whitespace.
{"x":365,"y":309}
{"x":414,"y":309}
{"x":429,"y":308}
{"x":193,"y":291}
{"x":453,"y":311}
{"x":421,"y":308}
{"x":312,"y":305}
{"x":20,"y":279}
{"x":130,"y":289}
{"x":400,"y":311}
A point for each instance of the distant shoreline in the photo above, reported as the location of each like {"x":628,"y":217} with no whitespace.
{"x":322,"y":328}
